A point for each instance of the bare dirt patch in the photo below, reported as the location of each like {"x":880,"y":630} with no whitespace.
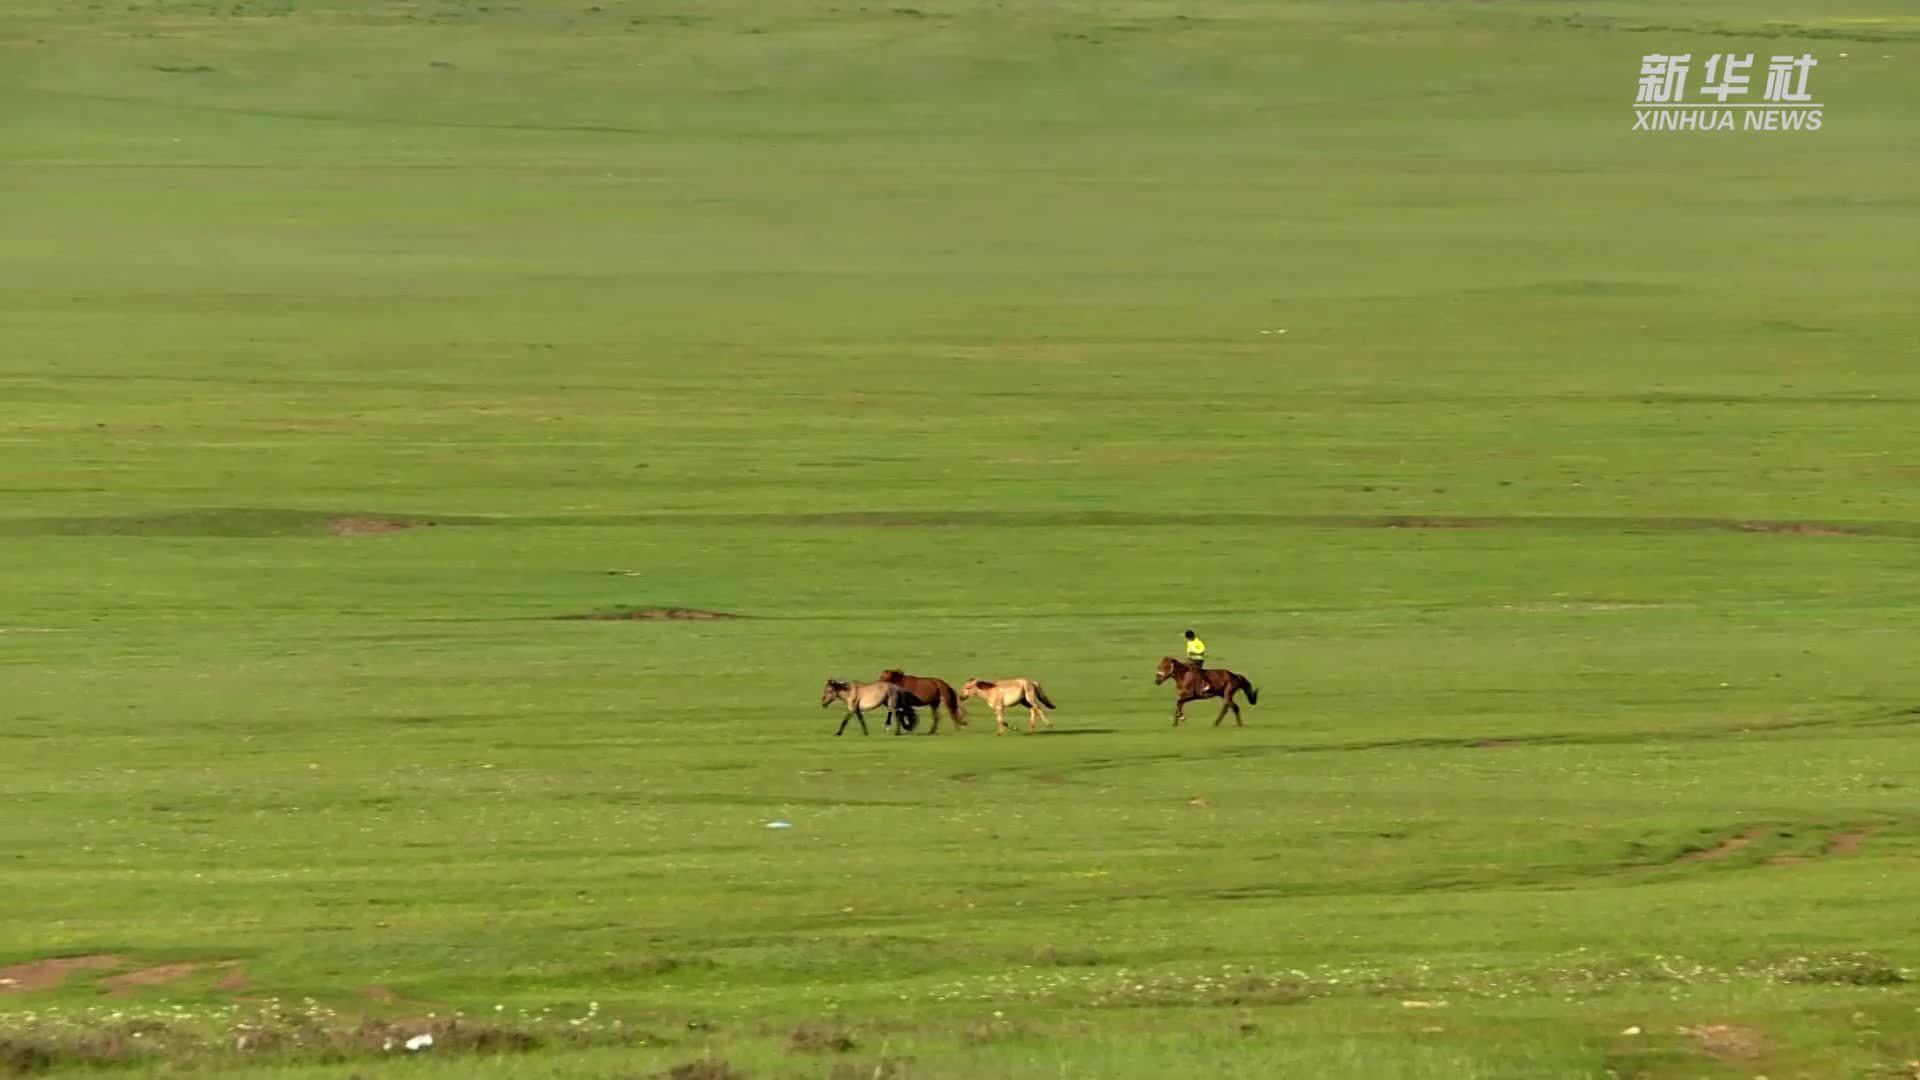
{"x":1796,"y":528}
{"x":149,"y":976}
{"x":1435,"y":523}
{"x":232,"y":978}
{"x":707,"y":1069}
{"x":49,"y":973}
{"x":810,"y":1040}
{"x":651,"y":615}
{"x":367,"y":526}
{"x":1724,"y":848}
{"x":1839,"y":845}
{"x":1847,"y":843}
{"x":1727,"y":1042}
{"x":233,"y":981}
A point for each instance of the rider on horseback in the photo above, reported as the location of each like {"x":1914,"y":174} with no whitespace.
{"x":1196,"y":651}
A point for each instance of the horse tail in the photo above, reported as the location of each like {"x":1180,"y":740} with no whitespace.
{"x":1253,"y":696}
{"x":1042,"y":695}
{"x":952,"y":701}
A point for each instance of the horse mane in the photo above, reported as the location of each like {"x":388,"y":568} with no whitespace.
{"x":984,"y":684}
{"x":891,"y":674}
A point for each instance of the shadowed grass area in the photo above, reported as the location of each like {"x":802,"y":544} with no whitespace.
{"x":391,"y":385}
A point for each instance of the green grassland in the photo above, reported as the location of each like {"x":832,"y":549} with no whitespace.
{"x":1569,"y":532}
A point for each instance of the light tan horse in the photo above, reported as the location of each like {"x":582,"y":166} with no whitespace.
{"x":1000,"y":693}
{"x":861,"y":696}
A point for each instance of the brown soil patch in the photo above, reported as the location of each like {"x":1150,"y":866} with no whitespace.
{"x":362,"y":526}
{"x":150,"y":976}
{"x":1837,"y":845}
{"x":47,"y":974}
{"x":820,"y":1041}
{"x":1847,"y":843}
{"x":1795,"y":528}
{"x":1434,"y":523}
{"x":1726,"y":1042}
{"x":651,"y":615}
{"x":703,"y":1070}
{"x":234,"y":981}
{"x":1725,"y":847}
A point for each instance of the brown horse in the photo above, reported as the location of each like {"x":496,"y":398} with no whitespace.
{"x":1195,"y":684}
{"x":930,"y":692}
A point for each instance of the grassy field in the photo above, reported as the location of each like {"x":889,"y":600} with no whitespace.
{"x":1569,"y":532}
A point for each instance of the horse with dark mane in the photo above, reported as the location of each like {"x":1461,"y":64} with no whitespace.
{"x":1197,"y":683}
{"x":929,"y":692}
{"x":861,"y":696}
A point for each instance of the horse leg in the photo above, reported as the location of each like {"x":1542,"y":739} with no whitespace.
{"x":934,"y":709}
{"x":862,"y":717}
{"x":843,"y":722}
{"x":1226,"y":702}
{"x":999,"y":718}
{"x":1179,"y":709}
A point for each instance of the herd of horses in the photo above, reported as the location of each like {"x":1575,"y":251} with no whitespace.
{"x":899,"y":695}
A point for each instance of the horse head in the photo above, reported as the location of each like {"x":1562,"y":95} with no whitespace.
{"x":1168,"y":666}
{"x":831,"y":691}
{"x":972,"y":688}
{"x":892,"y":674}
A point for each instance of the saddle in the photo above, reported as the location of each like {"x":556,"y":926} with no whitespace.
{"x":1202,"y":677}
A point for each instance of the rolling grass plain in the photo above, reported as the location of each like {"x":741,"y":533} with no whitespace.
{"x":1569,"y":532}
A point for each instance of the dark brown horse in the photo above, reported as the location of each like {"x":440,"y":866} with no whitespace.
{"x":930,"y":692}
{"x":1195,"y":684}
